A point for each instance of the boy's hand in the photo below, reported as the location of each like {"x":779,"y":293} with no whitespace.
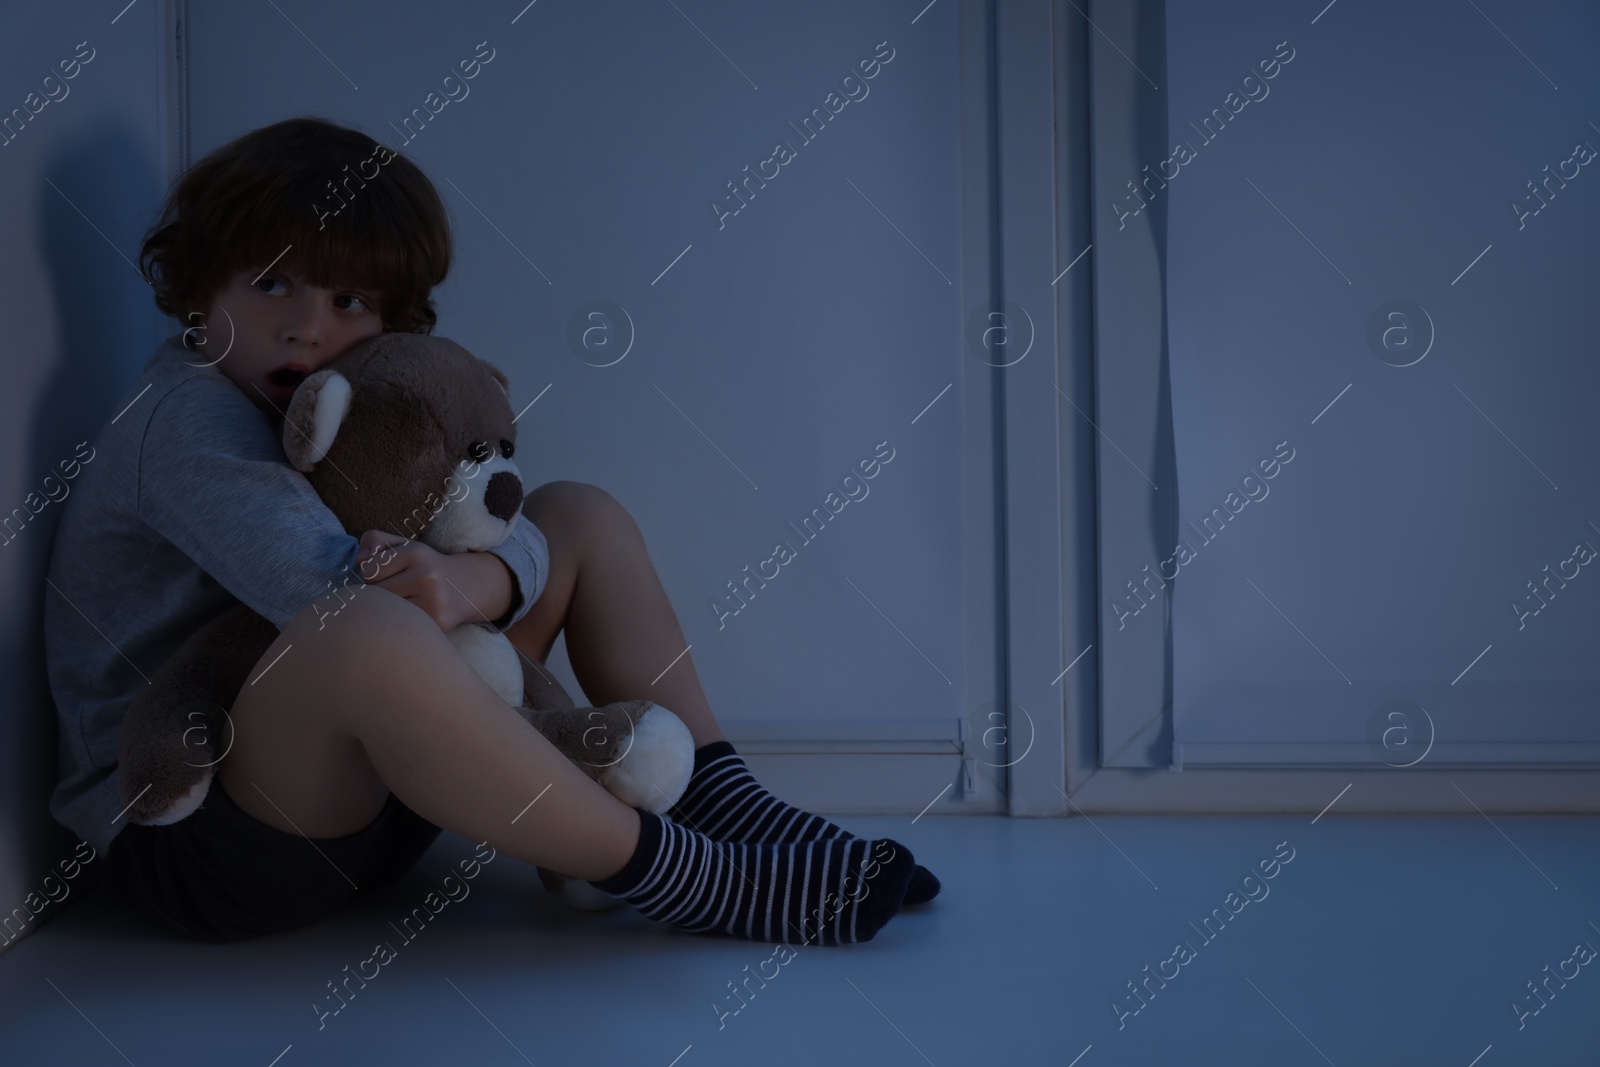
{"x":452,"y":588}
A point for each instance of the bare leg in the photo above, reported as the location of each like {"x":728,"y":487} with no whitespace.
{"x":377,"y":701}
{"x":621,"y":630}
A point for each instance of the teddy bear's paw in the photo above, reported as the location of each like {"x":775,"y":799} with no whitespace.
{"x":578,"y":894}
{"x":167,"y":752}
{"x":158,"y":808}
{"x":654,"y":770}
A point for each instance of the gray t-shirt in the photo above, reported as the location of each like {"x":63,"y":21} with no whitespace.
{"x":186,"y":507}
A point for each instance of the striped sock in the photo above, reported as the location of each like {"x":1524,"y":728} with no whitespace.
{"x":827,"y":892}
{"x":725,"y":802}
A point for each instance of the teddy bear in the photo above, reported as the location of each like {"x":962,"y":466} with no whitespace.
{"x":383,"y":434}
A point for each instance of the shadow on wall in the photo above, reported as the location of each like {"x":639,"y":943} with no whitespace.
{"x":81,"y":208}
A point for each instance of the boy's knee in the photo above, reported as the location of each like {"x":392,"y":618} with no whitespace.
{"x":568,"y":496}
{"x":571,"y":504}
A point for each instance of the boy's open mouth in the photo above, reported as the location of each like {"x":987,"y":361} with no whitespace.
{"x":288,"y":376}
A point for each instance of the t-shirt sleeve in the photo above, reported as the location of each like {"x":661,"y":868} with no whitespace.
{"x":525,"y":553}
{"x":213,"y":480}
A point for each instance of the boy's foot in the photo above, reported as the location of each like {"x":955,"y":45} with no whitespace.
{"x":828,"y":892}
{"x":725,"y":802}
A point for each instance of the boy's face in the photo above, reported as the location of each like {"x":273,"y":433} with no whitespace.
{"x":283,"y":330}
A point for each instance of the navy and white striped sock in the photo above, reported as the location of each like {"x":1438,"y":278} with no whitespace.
{"x":725,"y":802}
{"x":827,"y":892}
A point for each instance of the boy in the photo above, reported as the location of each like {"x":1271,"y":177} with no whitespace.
{"x":362,"y":734}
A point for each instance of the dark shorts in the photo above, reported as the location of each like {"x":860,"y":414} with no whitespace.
{"x":222,"y":875}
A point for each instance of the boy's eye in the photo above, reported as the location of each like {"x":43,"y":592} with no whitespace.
{"x":266,"y":280}
{"x":362,"y":304}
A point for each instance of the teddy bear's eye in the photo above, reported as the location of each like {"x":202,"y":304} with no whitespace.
{"x":480,"y":451}
{"x":506,"y":448}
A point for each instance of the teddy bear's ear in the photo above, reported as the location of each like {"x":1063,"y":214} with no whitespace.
{"x":314,"y":417}
{"x":505,"y":383}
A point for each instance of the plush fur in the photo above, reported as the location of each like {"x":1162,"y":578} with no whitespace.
{"x":384,"y":434}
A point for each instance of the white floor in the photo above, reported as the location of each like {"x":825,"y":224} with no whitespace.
{"x":1384,"y":940}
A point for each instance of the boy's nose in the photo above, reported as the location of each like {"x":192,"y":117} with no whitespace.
{"x":305,"y":326}
{"x":303,"y":333}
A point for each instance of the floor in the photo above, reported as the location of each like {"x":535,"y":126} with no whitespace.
{"x":1375,"y":940}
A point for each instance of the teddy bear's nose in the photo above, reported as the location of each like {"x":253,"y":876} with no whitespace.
{"x":503,"y":495}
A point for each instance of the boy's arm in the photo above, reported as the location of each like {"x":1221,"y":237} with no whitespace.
{"x":213,"y":480}
{"x":452,"y":588}
{"x":524,"y":554}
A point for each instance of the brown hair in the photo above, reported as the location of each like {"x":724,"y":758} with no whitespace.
{"x":275,"y":186}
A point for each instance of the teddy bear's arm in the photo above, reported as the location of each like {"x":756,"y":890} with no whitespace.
{"x":175,"y":729}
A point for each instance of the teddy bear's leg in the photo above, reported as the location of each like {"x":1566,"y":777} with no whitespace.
{"x":540,"y":688}
{"x":176,"y":729}
{"x":641,"y":752}
{"x":637,"y":749}
{"x":654,"y":769}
